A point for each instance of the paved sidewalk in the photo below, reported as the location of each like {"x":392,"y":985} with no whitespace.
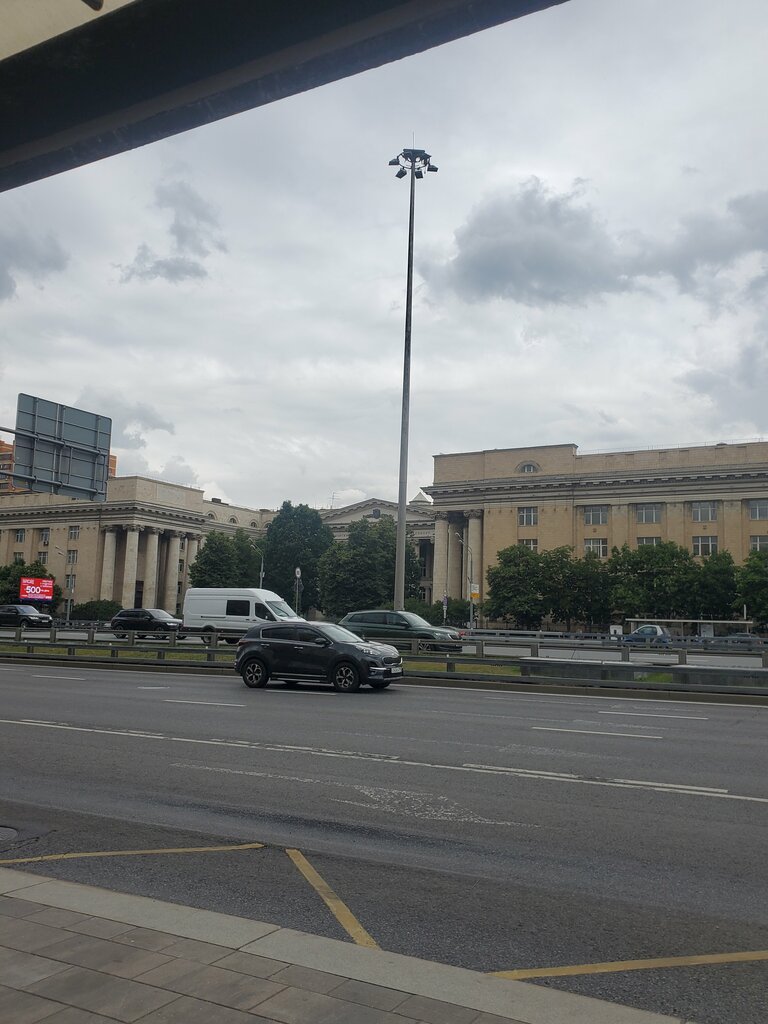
{"x":75,"y":954}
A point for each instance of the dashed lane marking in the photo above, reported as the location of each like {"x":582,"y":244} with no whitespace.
{"x":133,"y":853}
{"x":596,"y":732}
{"x":618,"y":966}
{"x":337,"y":907}
{"x":207,"y":703}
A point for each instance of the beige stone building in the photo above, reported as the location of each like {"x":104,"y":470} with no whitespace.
{"x":135,"y":548}
{"x":707,"y":497}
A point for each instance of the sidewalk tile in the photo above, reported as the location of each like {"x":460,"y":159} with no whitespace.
{"x":22,"y":1008}
{"x":239,"y":991}
{"x":127,"y":1001}
{"x":193,"y":949}
{"x":297,"y":1006}
{"x":433,"y":1011}
{"x":147,"y":938}
{"x":74,"y":1016}
{"x":248,"y":963}
{"x":18,"y":933}
{"x":12,"y":907}
{"x":370,"y":995}
{"x":185,"y":1010}
{"x":57,"y":918}
{"x":307,"y":978}
{"x":491,"y":1018}
{"x":100,"y":928}
{"x":19,"y":970}
{"x":105,"y":956}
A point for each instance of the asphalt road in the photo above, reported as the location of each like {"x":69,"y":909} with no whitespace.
{"x":495,"y":831}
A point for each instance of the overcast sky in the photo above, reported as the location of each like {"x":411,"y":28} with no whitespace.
{"x":591,"y":262}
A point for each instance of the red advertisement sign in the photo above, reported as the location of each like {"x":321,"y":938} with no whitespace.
{"x":33,"y":589}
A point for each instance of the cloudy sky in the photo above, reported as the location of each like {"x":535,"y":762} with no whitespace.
{"x":591,"y":262}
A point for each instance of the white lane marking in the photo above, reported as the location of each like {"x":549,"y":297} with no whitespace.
{"x":64,"y":678}
{"x":153,"y":687}
{"x":648,"y":714}
{"x":596,"y":732}
{"x":672,"y":785}
{"x":592,"y":696}
{"x":393,"y":759}
{"x":208,"y":703}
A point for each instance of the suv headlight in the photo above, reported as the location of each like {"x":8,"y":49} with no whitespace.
{"x":371,"y":651}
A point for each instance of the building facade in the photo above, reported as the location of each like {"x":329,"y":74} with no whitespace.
{"x":707,"y":498}
{"x":134,"y":548}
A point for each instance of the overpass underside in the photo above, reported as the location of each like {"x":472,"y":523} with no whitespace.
{"x":148,"y":69}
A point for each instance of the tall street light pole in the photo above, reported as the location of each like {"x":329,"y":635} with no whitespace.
{"x":470,"y":578}
{"x":413,"y":162}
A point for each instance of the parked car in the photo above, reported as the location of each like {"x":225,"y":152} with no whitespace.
{"x":320,"y":652}
{"x":648,"y":635}
{"x":146,"y":620}
{"x":389,"y":625}
{"x":24,"y":615}
{"x":741,"y":639}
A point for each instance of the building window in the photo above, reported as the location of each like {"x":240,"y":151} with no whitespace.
{"x":181,"y":565}
{"x":648,"y":513}
{"x":20,"y":535}
{"x":71,"y":556}
{"x":42,"y":557}
{"x":598,"y":545}
{"x":74,"y":533}
{"x":182,"y":543}
{"x":758,"y":509}
{"x":529,"y":467}
{"x":705,"y":545}
{"x":69,"y":581}
{"x":18,"y":556}
{"x":758,"y":543}
{"x":529,"y":542}
{"x":527,"y":515}
{"x":232,"y":520}
{"x":595,"y":514}
{"x":254,"y":524}
{"x":45,"y":535}
{"x":704,"y":511}
{"x":650,"y":542}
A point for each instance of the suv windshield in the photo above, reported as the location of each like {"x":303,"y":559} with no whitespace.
{"x":338,"y":633}
{"x":281,"y":610}
{"x":27,"y":609}
{"x":159,"y":613}
{"x":415,"y":620}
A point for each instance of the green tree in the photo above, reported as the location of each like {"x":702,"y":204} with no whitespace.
{"x":360,"y":573}
{"x":297,"y":538}
{"x":717,"y":597}
{"x":10,"y":580}
{"x":247,"y":552}
{"x":216,"y":563}
{"x":660,"y":581}
{"x":752,"y":585}
{"x":516,"y":587}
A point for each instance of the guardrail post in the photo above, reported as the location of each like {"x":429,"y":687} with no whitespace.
{"x":114,"y":652}
{"x":450,"y":666}
{"x":414,"y":646}
{"x":18,"y":634}
{"x":71,"y":652}
{"x":91,"y":635}
{"x":480,"y":649}
{"x":52,"y":635}
{"x":172,"y":636}
{"x":534,"y":649}
{"x":625,"y":654}
{"x":160,"y":654}
{"x":765,"y":659}
{"x":132,"y":638}
{"x":682,"y":657}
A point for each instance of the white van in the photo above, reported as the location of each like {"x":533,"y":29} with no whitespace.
{"x":233,"y":609}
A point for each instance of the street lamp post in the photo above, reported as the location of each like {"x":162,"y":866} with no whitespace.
{"x":415,"y":162}
{"x":470,"y":578}
{"x":69,"y":589}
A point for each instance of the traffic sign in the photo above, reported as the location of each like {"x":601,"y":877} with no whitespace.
{"x":298,"y":574}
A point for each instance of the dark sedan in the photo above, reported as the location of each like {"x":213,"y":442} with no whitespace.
{"x":24,"y":615}
{"x":144,"y":621}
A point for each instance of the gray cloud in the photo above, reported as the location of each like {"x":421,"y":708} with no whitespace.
{"x":178,"y":471}
{"x":539,"y":247}
{"x":22,"y":254}
{"x":193,"y":231}
{"x":737,"y":390}
{"x":129,"y":419}
{"x":533,"y":246}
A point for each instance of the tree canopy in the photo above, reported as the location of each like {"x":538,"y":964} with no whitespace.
{"x":297,"y":538}
{"x":360,"y":572}
{"x":10,"y":580}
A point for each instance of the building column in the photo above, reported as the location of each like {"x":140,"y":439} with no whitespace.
{"x":193,"y":542}
{"x":454,"y":559}
{"x":131,"y":561}
{"x":106,"y":591}
{"x":150,"y":568}
{"x":171,"y":592}
{"x":440,"y":557}
{"x":475,"y":543}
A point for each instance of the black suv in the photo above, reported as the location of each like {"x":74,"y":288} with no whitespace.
{"x":389,"y":625}
{"x":318,"y":652}
{"x":148,"y":620}
{"x":24,"y":615}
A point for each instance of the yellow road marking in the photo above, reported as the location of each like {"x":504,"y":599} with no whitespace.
{"x":132,"y":853}
{"x":337,"y":907}
{"x":636,"y":965}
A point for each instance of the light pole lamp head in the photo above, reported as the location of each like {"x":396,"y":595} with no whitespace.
{"x":416,"y":160}
{"x":401,"y":173}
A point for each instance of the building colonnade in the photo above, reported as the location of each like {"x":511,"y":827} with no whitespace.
{"x":142,"y":565}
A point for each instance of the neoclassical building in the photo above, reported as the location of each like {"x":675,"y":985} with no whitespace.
{"x":707,"y":498}
{"x":135,"y":548}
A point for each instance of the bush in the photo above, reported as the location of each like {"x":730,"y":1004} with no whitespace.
{"x":95,"y":611}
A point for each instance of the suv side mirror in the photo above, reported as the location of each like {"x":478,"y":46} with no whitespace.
{"x":321,"y":641}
